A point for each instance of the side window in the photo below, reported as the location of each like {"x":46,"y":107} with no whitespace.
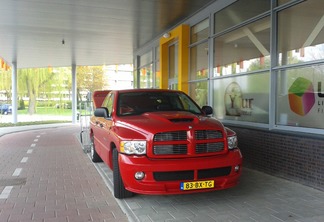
{"x":108,"y":103}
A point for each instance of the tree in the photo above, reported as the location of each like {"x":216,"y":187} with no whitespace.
{"x":5,"y":84}
{"x":89,"y":78}
{"x":30,"y":81}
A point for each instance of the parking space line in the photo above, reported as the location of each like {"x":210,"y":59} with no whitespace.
{"x":5,"y":193}
{"x":24,"y":160}
{"x":17,"y":172}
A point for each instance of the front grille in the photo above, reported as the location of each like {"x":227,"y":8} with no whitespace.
{"x":171,"y":136}
{"x":170,"y":149}
{"x":177,"y":142}
{"x":208,"y":134}
{"x":209,"y":147}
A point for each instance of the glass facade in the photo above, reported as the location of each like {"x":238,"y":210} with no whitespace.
{"x":199,"y":66}
{"x":147,"y":69}
{"x":262,"y":66}
{"x":299,"y":71}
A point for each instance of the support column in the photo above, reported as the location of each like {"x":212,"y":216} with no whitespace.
{"x":74,"y":94}
{"x":14,"y":93}
{"x":182,"y":35}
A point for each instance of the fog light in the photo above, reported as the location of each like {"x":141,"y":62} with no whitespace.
{"x":139,"y":175}
{"x":237,"y":168}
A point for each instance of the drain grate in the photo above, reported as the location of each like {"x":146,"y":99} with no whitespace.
{"x":12,"y":182}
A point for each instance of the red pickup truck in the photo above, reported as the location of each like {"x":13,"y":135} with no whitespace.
{"x":160,"y":142}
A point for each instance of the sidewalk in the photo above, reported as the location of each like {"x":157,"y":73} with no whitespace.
{"x":46,"y":177}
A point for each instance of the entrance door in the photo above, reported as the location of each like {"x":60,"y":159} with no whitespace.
{"x":173,"y":66}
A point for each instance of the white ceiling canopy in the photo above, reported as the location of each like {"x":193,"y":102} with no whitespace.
{"x":42,"y":33}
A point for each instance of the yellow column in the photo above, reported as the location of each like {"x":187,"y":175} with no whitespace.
{"x":180,"y":34}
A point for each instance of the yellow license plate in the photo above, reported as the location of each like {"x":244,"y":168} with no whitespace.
{"x":197,"y":185}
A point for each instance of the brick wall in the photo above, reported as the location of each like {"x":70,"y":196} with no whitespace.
{"x":296,"y":157}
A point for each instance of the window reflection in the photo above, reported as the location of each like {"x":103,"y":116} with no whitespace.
{"x":146,"y":77}
{"x":198,"y":92}
{"x":243,"y":50}
{"x":199,"y":62}
{"x":239,"y":12}
{"x":301,"y":33}
{"x":200,"y":31}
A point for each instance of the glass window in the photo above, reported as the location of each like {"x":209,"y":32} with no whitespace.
{"x":108,"y":103}
{"x":146,"y":58}
{"x":243,"y":98}
{"x":200,"y":31}
{"x":243,"y":50}
{"x":146,"y":77}
{"x":300,"y":97}
{"x":199,"y":62}
{"x":198,"y":91}
{"x":173,"y":61}
{"x":157,"y":75}
{"x":239,"y":12}
{"x":301,"y":33}
{"x":281,"y":2}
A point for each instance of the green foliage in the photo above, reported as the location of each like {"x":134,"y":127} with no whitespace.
{"x":21,"y":105}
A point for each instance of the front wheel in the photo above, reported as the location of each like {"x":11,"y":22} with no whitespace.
{"x":94,"y":155}
{"x":119,"y":189}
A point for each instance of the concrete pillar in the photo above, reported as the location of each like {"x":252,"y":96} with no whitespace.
{"x":14,"y":93}
{"x":74,"y":94}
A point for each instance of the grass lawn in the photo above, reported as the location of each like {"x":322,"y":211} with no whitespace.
{"x":50,"y":111}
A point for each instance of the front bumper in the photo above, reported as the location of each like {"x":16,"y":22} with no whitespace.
{"x":163,"y":176}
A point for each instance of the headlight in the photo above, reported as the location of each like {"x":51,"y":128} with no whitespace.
{"x":232,"y":142}
{"x":133,"y":147}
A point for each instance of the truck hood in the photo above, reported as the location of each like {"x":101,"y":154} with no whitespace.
{"x":155,"y":122}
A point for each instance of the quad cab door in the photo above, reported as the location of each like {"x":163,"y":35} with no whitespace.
{"x":101,"y":131}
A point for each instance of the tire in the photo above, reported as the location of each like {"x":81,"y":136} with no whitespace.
{"x":93,"y":153}
{"x":119,"y":189}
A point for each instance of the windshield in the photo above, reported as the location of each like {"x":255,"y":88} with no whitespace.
{"x":136,"y":103}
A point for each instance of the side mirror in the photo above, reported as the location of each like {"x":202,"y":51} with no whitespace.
{"x":208,"y":110}
{"x":101,"y":112}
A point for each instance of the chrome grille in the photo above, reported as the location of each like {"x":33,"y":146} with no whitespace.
{"x":170,"y":149}
{"x":208,"y":134}
{"x":171,"y":136}
{"x":209,"y":147}
{"x":177,"y":143}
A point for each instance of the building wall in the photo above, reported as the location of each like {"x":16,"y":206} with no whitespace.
{"x":296,"y":157}
{"x":260,"y":65}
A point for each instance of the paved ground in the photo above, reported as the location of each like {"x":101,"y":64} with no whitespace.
{"x":45,"y":176}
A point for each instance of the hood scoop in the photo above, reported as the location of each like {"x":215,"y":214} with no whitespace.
{"x":181,"y":120}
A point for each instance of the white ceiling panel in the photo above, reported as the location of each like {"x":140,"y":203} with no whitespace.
{"x":95,"y":32}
